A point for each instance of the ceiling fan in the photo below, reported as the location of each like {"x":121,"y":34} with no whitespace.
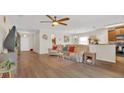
{"x":56,"y":21}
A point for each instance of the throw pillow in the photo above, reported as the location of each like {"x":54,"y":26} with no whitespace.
{"x":54,"y":48}
{"x":65,"y":48}
{"x":71,"y":49}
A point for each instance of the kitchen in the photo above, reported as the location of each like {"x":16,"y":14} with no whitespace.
{"x":116,"y":36}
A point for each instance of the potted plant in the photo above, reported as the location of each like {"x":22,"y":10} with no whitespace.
{"x":6,"y":68}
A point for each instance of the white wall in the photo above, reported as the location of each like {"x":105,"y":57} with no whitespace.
{"x":37,"y":42}
{"x":31,"y":41}
{"x":60,"y":38}
{"x":45,"y":44}
{"x":4,"y":29}
{"x":2,"y":34}
{"x":101,"y":34}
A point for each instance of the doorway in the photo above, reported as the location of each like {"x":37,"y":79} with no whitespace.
{"x":27,"y":42}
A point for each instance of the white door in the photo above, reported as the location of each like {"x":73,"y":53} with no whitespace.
{"x":25,"y":43}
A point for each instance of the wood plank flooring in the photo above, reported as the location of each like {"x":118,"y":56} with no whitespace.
{"x":32,"y":65}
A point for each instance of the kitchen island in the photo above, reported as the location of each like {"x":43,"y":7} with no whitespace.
{"x":104,"y":52}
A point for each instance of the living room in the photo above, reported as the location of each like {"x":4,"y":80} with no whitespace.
{"x":84,"y":41}
{"x":41,"y":53}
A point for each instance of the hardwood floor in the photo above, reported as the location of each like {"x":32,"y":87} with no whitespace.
{"x":32,"y":65}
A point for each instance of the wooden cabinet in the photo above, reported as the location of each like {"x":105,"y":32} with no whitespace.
{"x":122,"y":31}
{"x":111,"y":35}
{"x":119,"y":31}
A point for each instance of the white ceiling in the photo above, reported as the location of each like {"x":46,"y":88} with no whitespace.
{"x":76,"y":22}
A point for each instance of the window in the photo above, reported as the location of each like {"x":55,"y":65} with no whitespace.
{"x":83,"y":40}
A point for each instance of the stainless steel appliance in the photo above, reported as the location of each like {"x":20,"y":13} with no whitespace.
{"x":120,"y":49}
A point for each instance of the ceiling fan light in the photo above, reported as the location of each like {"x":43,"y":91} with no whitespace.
{"x":55,"y":23}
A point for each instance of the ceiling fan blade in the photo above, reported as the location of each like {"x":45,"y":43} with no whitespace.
{"x":64,"y":19}
{"x":50,"y":17}
{"x":62,"y":23}
{"x":45,"y":21}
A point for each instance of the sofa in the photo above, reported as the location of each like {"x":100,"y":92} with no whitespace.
{"x":53,"y":52}
{"x":76,"y":53}
{"x":71,"y":51}
{"x":79,"y":48}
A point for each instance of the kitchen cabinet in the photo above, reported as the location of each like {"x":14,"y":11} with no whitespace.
{"x":111,"y":35}
{"x":122,"y":31}
{"x":119,"y":31}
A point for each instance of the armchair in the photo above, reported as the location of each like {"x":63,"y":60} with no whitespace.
{"x":53,"y":52}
